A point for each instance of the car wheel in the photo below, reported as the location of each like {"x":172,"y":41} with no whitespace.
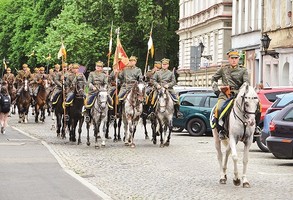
{"x":196,"y":127}
{"x":261,"y":145}
{"x":177,"y":129}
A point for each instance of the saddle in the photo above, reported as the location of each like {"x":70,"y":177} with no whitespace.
{"x":56,"y":98}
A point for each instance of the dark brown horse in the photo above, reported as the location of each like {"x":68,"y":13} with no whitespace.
{"x":75,"y":111}
{"x":23,"y":102}
{"x":41,"y":99}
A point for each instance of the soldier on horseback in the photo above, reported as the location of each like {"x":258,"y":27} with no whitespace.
{"x":70,"y":84}
{"x":20,"y":77}
{"x":96,"y":79}
{"x":58,"y":81}
{"x":233,"y":77}
{"x":166,"y":78}
{"x":37,"y":79}
{"x":9,"y":77}
{"x":130,"y":75}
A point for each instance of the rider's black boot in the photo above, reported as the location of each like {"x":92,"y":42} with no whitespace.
{"x":87,"y":115}
{"x":177,"y":113}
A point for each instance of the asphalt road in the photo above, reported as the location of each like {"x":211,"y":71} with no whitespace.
{"x":187,"y":169}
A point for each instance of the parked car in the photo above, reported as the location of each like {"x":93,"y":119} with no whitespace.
{"x":267,"y":96}
{"x":282,"y":101}
{"x":185,"y":89}
{"x":280,"y":141}
{"x":196,"y":108}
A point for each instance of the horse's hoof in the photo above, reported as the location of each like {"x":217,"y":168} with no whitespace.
{"x":109,"y":137}
{"x":246,"y":185}
{"x":115,"y":140}
{"x":147,"y":137}
{"x":132,"y":145}
{"x":154,"y":141}
{"x":19,"y":121}
{"x":236,"y":182}
{"x":223,"y":181}
{"x":167,"y":144}
{"x":88,"y":143}
{"x":161,"y":145}
{"x":126,"y":144}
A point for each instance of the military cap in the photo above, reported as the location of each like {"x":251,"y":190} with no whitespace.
{"x":158,"y":64}
{"x":36,"y":69}
{"x":233,"y":53}
{"x":57,"y":66}
{"x":8,"y":69}
{"x":24,"y":66}
{"x":64,"y":65}
{"x":165,"y":61}
{"x":75,"y":66}
{"x":42,"y":69}
{"x":100,"y":64}
{"x":133,"y":58}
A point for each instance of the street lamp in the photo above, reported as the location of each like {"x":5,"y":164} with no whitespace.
{"x":265,"y":41}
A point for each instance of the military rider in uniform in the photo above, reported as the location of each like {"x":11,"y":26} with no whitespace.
{"x":37,"y":78}
{"x":57,"y":78}
{"x":9,"y":77}
{"x":96,"y":79}
{"x":232,"y":76}
{"x":166,"y":78}
{"x":130,"y":75}
{"x":71,"y":80}
{"x":20,"y":78}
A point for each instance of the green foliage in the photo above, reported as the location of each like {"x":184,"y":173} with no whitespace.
{"x":30,"y":30}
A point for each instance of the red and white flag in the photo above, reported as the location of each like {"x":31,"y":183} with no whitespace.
{"x":120,"y":57}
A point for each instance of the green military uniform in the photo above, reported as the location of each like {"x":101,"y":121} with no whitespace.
{"x":39,"y":76}
{"x":128,"y":77}
{"x":21,"y":76}
{"x":95,"y":80}
{"x":232,"y":77}
{"x":9,"y":77}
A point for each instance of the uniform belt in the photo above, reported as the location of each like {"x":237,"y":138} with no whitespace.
{"x":234,"y":88}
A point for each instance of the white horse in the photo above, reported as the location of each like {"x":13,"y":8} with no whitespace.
{"x":241,"y":127}
{"x":164,"y":115}
{"x":132,"y":111}
{"x":99,"y":115}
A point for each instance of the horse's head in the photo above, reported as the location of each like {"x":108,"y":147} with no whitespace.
{"x":44,"y":82}
{"x":102,"y":98}
{"x":80,"y":85}
{"x":162,"y":98}
{"x":25,"y":83}
{"x":247,"y":101}
{"x":140,"y":91}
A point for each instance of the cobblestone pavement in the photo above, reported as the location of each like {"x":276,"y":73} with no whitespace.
{"x":187,"y":169}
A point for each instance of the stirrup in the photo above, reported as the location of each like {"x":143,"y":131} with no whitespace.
{"x":257,"y":131}
{"x":66,"y":118}
{"x":222,"y":135}
{"x":179,"y":115}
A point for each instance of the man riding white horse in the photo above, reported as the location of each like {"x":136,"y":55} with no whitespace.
{"x":130,"y":75}
{"x":96,"y":79}
{"x":233,"y":77}
{"x":166,"y":78}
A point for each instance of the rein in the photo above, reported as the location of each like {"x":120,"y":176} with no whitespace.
{"x":244,"y":111}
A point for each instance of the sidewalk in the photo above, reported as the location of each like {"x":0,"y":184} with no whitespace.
{"x":29,"y":171}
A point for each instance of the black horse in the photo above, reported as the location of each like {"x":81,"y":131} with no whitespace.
{"x":114,"y":118}
{"x":75,"y":111}
{"x":59,"y":110}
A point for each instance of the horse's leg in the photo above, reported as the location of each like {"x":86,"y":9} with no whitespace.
{"x":103,"y":138}
{"x":247,"y":145}
{"x":144,"y":121}
{"x":232,"y":142}
{"x":73,"y":130}
{"x":126,"y":132}
{"x":119,"y":128}
{"x":167,"y":143}
{"x":107,"y":126}
{"x":37,"y":113}
{"x":96,"y":131}
{"x":88,"y":133}
{"x":154,"y":130}
{"x":161,"y":133}
{"x":58,"y":124}
{"x":223,"y":176}
{"x":80,"y":123}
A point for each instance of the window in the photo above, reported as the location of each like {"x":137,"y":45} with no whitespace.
{"x":191,"y":101}
{"x":210,"y":102}
{"x":289,"y":116}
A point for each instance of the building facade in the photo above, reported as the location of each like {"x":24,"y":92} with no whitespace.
{"x":278,"y":70}
{"x":208,"y":23}
{"x":246,"y":35}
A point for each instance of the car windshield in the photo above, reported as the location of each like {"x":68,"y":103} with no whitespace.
{"x":191,"y":101}
{"x":283,"y":100}
{"x":273,"y":96}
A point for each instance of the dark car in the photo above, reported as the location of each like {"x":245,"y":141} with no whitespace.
{"x":267,"y":96}
{"x":185,"y":89}
{"x":196,"y":109}
{"x":280,"y":141}
{"x":282,"y":101}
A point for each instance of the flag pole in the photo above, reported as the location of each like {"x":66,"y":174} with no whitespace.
{"x":147,"y":56}
{"x":110,"y":49}
{"x":116,"y":76}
